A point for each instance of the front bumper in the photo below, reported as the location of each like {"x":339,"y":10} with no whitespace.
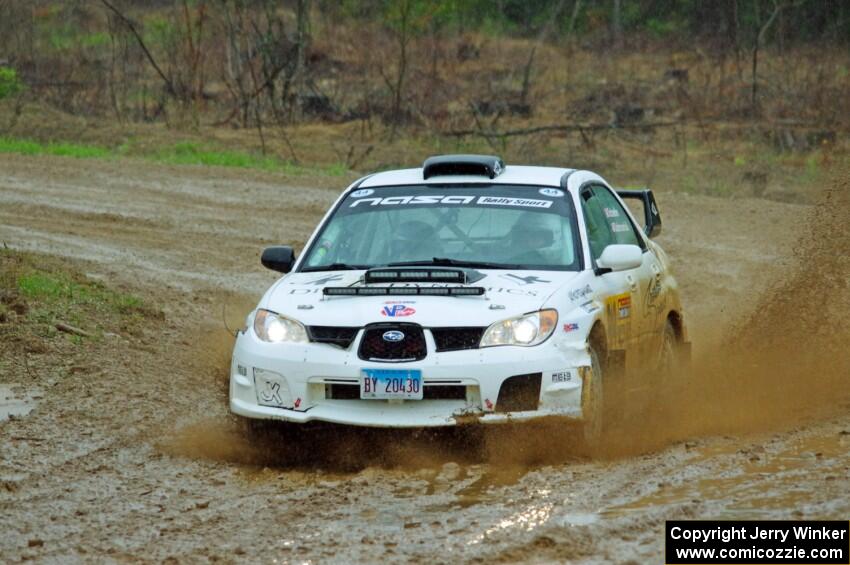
{"x":304,"y":377}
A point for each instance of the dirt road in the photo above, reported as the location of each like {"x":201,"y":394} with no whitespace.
{"x":130,"y":454}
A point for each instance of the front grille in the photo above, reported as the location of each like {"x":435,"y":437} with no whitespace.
{"x":342,"y":392}
{"x":456,"y":339}
{"x":373,"y":346}
{"x":335,"y":335}
{"x":518,"y":393}
{"x":444,"y":392}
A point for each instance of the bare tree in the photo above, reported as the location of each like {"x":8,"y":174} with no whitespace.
{"x":401,"y":20}
{"x":777,"y":7}
{"x":169,"y":84}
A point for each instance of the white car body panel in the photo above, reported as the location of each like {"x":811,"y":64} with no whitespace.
{"x":297,"y":376}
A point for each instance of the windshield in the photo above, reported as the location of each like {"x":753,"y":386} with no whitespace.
{"x":492,"y":225}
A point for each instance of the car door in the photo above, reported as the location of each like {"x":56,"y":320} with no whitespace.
{"x":608,"y":223}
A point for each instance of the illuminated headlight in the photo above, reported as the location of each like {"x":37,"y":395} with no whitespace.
{"x":526,"y":330}
{"x":275,"y":328}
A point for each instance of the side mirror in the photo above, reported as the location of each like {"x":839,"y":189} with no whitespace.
{"x":280,"y":258}
{"x":619,"y":257}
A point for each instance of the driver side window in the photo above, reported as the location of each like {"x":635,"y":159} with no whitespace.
{"x":606,"y":220}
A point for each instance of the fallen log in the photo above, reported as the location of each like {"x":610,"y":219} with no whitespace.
{"x":67,"y":328}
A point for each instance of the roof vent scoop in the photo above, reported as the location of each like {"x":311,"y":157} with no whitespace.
{"x":479,"y":165}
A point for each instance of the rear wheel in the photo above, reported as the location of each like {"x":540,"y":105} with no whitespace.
{"x":593,"y":399}
{"x":668,"y":361}
{"x":668,"y":380}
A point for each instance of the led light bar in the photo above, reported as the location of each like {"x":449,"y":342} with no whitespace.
{"x":403,"y":291}
{"x":384,"y":275}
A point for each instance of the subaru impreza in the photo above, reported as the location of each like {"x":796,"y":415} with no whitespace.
{"x":463,"y":291}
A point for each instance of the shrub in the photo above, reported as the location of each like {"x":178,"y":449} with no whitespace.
{"x":10,"y":84}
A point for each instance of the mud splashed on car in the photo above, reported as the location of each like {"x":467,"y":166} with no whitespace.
{"x":786,"y":364}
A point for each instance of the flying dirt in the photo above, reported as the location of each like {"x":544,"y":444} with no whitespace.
{"x":758,"y":427}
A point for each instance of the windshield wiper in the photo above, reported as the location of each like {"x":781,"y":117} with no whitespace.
{"x":334,"y":267}
{"x":446,"y":262}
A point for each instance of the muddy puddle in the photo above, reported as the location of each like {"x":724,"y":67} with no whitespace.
{"x":765,"y":482}
{"x":17,"y":401}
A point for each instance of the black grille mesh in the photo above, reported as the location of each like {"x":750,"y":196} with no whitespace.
{"x":520,"y":392}
{"x":340,"y":336}
{"x":456,"y":339}
{"x":373,"y":347}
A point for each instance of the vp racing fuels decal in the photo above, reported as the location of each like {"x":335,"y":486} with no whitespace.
{"x":397,"y":311}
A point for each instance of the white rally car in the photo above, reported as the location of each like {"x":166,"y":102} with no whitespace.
{"x":465,"y":290}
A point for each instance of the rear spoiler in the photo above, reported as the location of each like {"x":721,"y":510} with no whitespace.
{"x":652,"y":218}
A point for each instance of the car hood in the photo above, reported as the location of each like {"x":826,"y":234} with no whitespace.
{"x":508,"y":293}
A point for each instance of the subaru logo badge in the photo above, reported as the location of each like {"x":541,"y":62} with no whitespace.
{"x":393,"y":335}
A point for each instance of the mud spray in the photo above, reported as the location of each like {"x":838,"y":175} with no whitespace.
{"x":786,"y":363}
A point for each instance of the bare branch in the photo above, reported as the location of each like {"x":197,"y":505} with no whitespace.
{"x":132,"y":27}
{"x":557,"y":128}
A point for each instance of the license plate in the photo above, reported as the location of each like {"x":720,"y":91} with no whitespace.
{"x":391,"y":383}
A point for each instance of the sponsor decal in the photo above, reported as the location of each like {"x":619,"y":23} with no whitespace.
{"x":362,"y":192}
{"x":450,"y":199}
{"x":654,"y":288}
{"x":579,"y":293}
{"x":619,"y":228}
{"x":326,"y":279}
{"x":393,"y":336}
{"x":488,"y":404}
{"x":624,"y":306}
{"x":590,"y":307}
{"x":570,"y":327}
{"x":397,"y":311}
{"x":304,"y":290}
{"x":271,"y":392}
{"x":551,"y":192}
{"x":514,"y":291}
{"x":297,"y":402}
{"x":562,"y":377}
{"x":422,"y":199}
{"x":611,"y":213}
{"x":524,"y":280}
{"x":523,"y":202}
{"x":618,"y":310}
{"x":653,"y":299}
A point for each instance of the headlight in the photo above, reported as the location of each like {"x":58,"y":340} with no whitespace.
{"x":528,"y":329}
{"x":275,"y":328}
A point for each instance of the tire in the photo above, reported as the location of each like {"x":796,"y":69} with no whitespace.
{"x":593,"y":400}
{"x":256,"y":429}
{"x":668,"y":379}
{"x":670,"y":366}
